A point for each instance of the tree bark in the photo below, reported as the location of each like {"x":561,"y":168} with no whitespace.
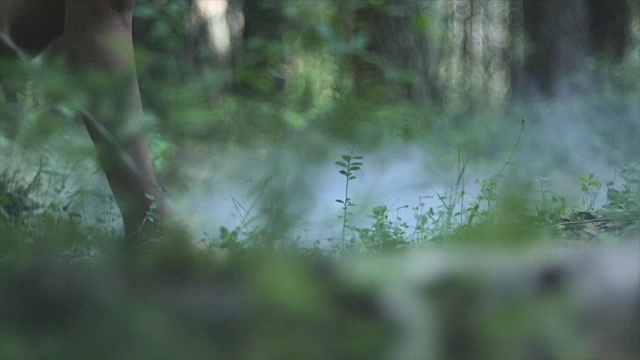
{"x":395,"y":62}
{"x":560,"y":36}
{"x":609,"y":28}
{"x":260,"y":54}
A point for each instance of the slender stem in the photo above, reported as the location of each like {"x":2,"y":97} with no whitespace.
{"x":346,"y":204}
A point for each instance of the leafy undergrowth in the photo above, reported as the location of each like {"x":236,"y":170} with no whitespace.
{"x":67,"y":292}
{"x":498,"y":214}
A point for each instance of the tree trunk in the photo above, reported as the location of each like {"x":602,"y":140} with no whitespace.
{"x":556,"y":35}
{"x":559,"y":37}
{"x":609,"y":29}
{"x":395,"y":62}
{"x":258,"y":58}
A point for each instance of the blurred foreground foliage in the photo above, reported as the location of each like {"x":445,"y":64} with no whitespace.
{"x":62,"y":295}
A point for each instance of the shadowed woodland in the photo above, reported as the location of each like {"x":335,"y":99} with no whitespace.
{"x":348,"y":179}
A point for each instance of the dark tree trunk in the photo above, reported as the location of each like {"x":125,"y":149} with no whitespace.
{"x":609,"y":28}
{"x":185,"y":49}
{"x":556,"y":34}
{"x":260,"y":54}
{"x":559,"y":36}
{"x":395,"y":61}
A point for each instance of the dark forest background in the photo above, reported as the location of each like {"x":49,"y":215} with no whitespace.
{"x":318,"y":60}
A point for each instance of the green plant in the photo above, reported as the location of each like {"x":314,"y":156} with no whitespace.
{"x":348,"y":167}
{"x":421,"y":227}
{"x":16,"y":200}
{"x":480,"y":208}
{"x":34,"y":222}
{"x":384,"y":234}
{"x":444,"y":219}
{"x":623,"y":203}
{"x":551,"y":207}
{"x":248,"y":235}
{"x":590,"y":187}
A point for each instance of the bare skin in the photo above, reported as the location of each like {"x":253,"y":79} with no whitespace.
{"x":96,"y":46}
